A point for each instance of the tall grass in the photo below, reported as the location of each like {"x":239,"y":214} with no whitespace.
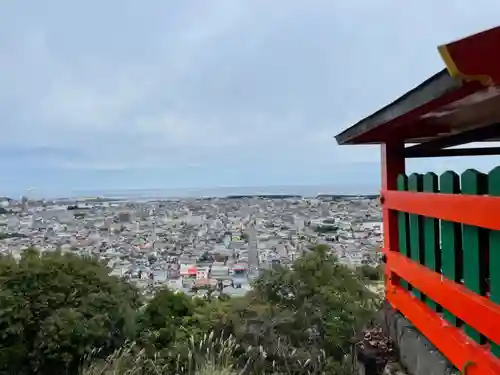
{"x":210,"y":355}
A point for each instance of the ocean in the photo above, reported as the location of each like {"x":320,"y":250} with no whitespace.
{"x":304,"y":190}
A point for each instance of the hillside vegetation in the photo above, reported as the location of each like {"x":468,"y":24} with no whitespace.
{"x":63,"y":314}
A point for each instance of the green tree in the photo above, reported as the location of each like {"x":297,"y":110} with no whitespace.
{"x":294,"y":321}
{"x":162,"y":319}
{"x":56,"y":308}
{"x":371,"y":273}
{"x":312,"y":310}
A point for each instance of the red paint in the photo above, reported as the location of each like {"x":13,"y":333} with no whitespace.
{"x":450,"y":341}
{"x":393,"y":163}
{"x":477,"y":311}
{"x":473,"y":210}
{"x":478,"y":55}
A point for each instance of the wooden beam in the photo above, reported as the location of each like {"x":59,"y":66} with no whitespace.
{"x":474,"y":135}
{"x":475,"y":310}
{"x":475,"y":210}
{"x":393,"y":164}
{"x":476,"y":151}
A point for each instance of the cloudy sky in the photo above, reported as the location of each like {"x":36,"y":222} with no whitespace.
{"x":119,"y":94}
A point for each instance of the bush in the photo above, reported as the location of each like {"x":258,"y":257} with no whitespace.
{"x":57,"y":308}
{"x":370,"y":273}
{"x":314,"y":308}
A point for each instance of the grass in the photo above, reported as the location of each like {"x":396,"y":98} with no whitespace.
{"x":211,"y":355}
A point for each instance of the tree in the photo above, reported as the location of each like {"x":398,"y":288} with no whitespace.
{"x":56,"y":308}
{"x":162,"y":318}
{"x":371,"y":273}
{"x":312,"y":310}
{"x":294,"y":321}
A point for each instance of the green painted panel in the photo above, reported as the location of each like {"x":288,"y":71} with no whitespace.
{"x":473,"y":182}
{"x":494,"y":251}
{"x":416,"y":229}
{"x":432,"y":259}
{"x":451,"y":240}
{"x":403,"y":234}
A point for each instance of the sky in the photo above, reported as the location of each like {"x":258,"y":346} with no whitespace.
{"x":168,"y":94}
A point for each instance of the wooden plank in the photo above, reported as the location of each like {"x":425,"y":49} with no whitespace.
{"x":416,"y":228}
{"x":393,"y":163}
{"x":478,"y":311}
{"x":403,"y":227}
{"x":451,"y":240}
{"x":494,"y":253}
{"x":472,"y":135}
{"x":473,"y":183}
{"x":468,"y":209}
{"x":432,"y":251}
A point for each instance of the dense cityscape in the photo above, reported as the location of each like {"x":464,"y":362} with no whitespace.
{"x":195,"y":246}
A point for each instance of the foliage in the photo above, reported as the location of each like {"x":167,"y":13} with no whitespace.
{"x":320,"y":302}
{"x":300,"y":320}
{"x":210,"y":355}
{"x":160,"y":320}
{"x":55,"y":308}
{"x":371,"y":273}
{"x":58,"y":309}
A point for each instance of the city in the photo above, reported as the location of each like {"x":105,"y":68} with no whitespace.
{"x":195,"y":245}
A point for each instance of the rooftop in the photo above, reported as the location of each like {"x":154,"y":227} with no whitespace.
{"x":457,"y":105}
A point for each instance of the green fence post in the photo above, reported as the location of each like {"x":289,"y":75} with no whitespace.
{"x":451,"y":240}
{"x":473,"y":240}
{"x":431,"y":235}
{"x":494,"y":253}
{"x":403,"y":232}
{"x":416,"y":229}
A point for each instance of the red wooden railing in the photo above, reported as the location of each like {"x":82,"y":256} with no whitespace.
{"x":424,"y":293}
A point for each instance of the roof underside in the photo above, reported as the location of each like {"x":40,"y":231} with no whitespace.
{"x":441,"y":106}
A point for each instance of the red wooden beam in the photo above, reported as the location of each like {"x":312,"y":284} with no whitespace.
{"x":474,"y":151}
{"x":393,"y":163}
{"x":473,"y":210}
{"x":475,"y":57}
{"x":477,"y":311}
{"x":466,"y":355}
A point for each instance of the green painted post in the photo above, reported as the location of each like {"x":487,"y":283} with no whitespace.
{"x":473,"y":183}
{"x":451,"y":240}
{"x":432,"y":258}
{"x":494,"y":253}
{"x":416,"y":228}
{"x":403,"y":233}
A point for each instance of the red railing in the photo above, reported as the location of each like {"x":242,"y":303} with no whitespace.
{"x":451,"y":297}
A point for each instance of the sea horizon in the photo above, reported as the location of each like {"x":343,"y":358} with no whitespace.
{"x":302,"y":190}
{"x":203,"y":192}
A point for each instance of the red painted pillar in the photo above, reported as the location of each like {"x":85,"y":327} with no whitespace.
{"x":393,"y":163}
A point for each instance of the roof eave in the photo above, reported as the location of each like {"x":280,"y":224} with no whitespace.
{"x":431,"y":89}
